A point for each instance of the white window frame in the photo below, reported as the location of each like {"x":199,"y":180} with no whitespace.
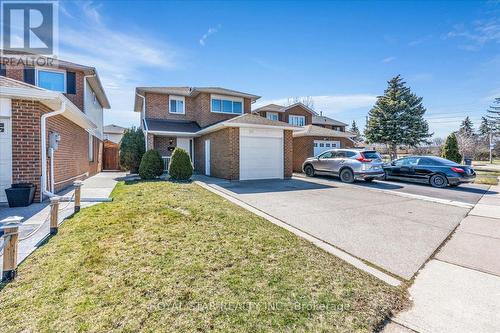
{"x":91,"y":148}
{"x":45,"y":69}
{"x":291,"y":122}
{"x":227,"y":98}
{"x":177,"y":98}
{"x":269,"y":114}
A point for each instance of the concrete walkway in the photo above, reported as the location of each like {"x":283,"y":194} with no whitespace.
{"x":459,"y":290}
{"x":99,"y":186}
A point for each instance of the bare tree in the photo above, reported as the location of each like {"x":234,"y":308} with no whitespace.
{"x":306,"y":100}
{"x":467,"y":144}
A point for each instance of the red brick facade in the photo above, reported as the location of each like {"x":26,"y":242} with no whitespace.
{"x":224,"y":153}
{"x":288,"y":153}
{"x":71,"y":159}
{"x":303,"y":147}
{"x":296,"y":111}
{"x":17,"y":73}
{"x":165,"y":145}
{"x":196,"y":109}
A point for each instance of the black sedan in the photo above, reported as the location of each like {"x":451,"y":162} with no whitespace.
{"x":437,"y":171}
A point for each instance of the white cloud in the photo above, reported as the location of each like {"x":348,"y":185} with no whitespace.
{"x":388,"y":60}
{"x":210,"y":32}
{"x":120,"y":58}
{"x":480,"y":33}
{"x":331,"y":104}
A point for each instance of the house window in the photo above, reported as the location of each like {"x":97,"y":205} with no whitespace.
{"x":297,"y":120}
{"x":227,"y":105}
{"x":176,"y":104}
{"x":272,"y":115}
{"x":91,"y":148}
{"x":51,"y":80}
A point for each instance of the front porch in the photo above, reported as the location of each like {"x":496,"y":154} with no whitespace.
{"x":165,"y":145}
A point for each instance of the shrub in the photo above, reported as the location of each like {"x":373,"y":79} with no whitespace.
{"x":180,"y":165}
{"x":450,"y":149}
{"x":132,"y":147}
{"x":151,"y":165}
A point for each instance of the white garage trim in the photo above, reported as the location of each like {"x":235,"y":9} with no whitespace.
{"x":324,"y":145}
{"x":5,"y":147}
{"x":261,"y":153}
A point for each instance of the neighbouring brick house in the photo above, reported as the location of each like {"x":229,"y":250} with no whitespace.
{"x":316,"y":135}
{"x":63,"y":100}
{"x":216,"y":127}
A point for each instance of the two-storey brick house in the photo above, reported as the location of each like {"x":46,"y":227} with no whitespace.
{"x":51,"y":119}
{"x":216,"y":127}
{"x":317,"y":134}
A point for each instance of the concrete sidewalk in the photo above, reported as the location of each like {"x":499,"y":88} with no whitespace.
{"x":459,"y":290}
{"x":36,"y":215}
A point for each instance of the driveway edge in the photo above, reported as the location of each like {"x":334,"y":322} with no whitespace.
{"x":319,"y":243}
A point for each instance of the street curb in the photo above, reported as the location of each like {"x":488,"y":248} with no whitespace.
{"x":319,"y":243}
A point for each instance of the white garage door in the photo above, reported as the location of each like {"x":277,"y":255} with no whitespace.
{"x":261,"y":153}
{"x":321,"y":146}
{"x":5,"y":157}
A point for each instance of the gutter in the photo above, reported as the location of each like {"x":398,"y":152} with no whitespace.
{"x":43,"y":121}
{"x":143,"y":115}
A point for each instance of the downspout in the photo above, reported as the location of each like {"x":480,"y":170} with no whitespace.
{"x":143,"y":114}
{"x":43,"y":125}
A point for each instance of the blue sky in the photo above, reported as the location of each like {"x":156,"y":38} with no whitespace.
{"x":340,"y":53}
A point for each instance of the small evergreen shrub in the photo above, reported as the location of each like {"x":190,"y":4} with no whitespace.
{"x":151,"y":165}
{"x":180,"y":165}
{"x":131,"y":149}
{"x":450,"y":149}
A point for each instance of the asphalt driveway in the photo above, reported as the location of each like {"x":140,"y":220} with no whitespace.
{"x":393,"y":232}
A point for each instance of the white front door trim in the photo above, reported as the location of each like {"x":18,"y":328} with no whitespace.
{"x":207,"y":157}
{"x":5,"y":147}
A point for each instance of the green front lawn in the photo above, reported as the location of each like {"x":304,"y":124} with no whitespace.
{"x":487,"y":177}
{"x":175,"y":257}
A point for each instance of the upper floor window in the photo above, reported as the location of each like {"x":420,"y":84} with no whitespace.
{"x":176,"y":104}
{"x":227,"y":105}
{"x":297,"y":120}
{"x":272,"y":115}
{"x":51,"y":80}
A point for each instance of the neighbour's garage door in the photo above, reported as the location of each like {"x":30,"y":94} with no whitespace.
{"x":261,"y":153}
{"x":321,"y":146}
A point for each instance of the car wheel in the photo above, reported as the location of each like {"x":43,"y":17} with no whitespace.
{"x":439,"y":181}
{"x":309,"y":170}
{"x":368,"y":180}
{"x":347,"y":176}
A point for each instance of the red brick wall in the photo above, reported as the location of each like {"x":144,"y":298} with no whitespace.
{"x":162,"y":143}
{"x":196,"y":109}
{"x":17,"y":73}
{"x":298,"y":111}
{"x":288,"y":153}
{"x":303,"y":147}
{"x":224,"y":153}
{"x":71,"y":159}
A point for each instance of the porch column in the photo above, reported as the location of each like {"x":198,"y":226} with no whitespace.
{"x":150,"y":142}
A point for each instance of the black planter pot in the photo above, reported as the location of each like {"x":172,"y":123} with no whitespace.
{"x":20,"y":195}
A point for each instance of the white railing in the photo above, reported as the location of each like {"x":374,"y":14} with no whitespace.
{"x":166,"y":162}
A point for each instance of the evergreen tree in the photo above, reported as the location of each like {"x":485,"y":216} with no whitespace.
{"x":450,"y":149}
{"x":397,"y":118}
{"x":132,"y":147}
{"x":354,"y":129}
{"x":485,"y":127}
{"x":494,"y":114}
{"x":467,"y":127}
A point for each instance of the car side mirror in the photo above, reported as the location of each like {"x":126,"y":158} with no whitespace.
{"x":393,"y":163}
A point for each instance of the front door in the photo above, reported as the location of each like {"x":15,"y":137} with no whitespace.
{"x":5,"y":156}
{"x":207,"y":157}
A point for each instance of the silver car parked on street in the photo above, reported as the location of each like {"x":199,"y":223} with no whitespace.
{"x":348,"y":164}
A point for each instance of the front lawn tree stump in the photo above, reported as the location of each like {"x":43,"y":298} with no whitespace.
{"x":10,"y":227}
{"x":54,"y":215}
